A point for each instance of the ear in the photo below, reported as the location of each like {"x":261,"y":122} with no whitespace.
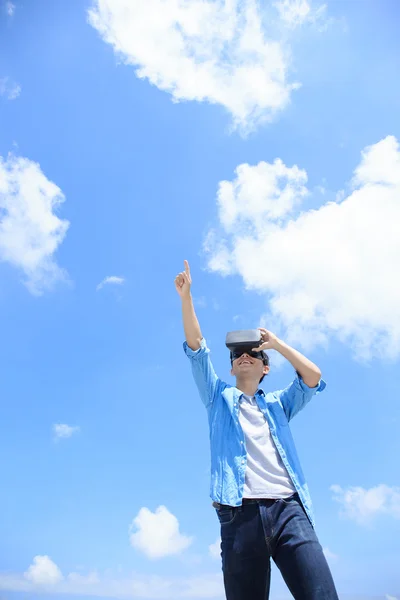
{"x":266,"y":369}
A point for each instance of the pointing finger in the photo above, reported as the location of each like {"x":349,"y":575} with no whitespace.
{"x":187,"y":268}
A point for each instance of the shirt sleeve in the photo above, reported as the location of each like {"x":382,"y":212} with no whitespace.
{"x":297,"y":395}
{"x":203,"y":371}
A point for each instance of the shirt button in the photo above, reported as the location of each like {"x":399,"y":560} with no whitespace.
{"x":243,"y":462}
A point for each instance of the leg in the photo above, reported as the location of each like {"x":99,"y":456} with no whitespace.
{"x":245,"y":557}
{"x":299,"y":556}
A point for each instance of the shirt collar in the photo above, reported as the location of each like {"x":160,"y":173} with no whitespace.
{"x":259,"y":392}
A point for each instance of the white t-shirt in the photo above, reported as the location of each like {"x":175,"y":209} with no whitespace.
{"x":266,"y":475}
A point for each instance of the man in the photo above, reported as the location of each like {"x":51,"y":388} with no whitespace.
{"x":257,"y":485}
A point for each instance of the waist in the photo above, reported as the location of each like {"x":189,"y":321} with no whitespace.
{"x":269,"y":500}
{"x":265,"y":501}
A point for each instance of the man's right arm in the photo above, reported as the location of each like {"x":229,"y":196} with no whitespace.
{"x":191,"y":325}
{"x":195,"y":346}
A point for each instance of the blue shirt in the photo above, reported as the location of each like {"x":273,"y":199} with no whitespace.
{"x":228,"y":449}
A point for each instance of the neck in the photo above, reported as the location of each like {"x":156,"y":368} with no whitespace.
{"x":247,"y":386}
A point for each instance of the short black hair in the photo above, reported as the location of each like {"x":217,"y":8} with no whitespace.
{"x":266,"y":362}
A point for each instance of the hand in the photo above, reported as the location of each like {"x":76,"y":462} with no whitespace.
{"x":269,"y":341}
{"x":183,"y":281}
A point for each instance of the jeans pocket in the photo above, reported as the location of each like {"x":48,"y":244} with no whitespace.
{"x":226,"y":514}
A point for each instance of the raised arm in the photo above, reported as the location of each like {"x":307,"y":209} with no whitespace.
{"x":196,"y":347}
{"x":191,"y":325}
{"x":304,"y":387}
{"x":308,"y":371}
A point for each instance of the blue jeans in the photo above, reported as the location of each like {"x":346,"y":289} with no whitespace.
{"x":259,"y":530}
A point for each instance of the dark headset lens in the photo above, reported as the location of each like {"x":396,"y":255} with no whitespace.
{"x":238,"y":353}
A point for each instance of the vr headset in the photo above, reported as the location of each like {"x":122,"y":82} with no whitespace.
{"x":245,"y":340}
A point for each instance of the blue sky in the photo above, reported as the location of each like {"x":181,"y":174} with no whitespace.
{"x":259,"y":143}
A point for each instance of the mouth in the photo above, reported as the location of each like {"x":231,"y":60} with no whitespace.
{"x":246,"y":362}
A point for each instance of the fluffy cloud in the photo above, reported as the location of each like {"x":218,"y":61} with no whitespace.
{"x":8,"y":88}
{"x":77,"y":579}
{"x":215,"y":549}
{"x":297,"y":12}
{"x":329,"y":271}
{"x":217,"y":52}
{"x":293,"y":12}
{"x":10,"y":8}
{"x":45,"y":576}
{"x":63,"y":431}
{"x":111,"y":280}
{"x":30,"y":230}
{"x":362,"y":505}
{"x":157,"y":534}
{"x":43,"y":571}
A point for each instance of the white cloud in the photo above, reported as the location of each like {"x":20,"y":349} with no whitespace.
{"x":111,"y":280}
{"x":83,"y":580}
{"x":43,"y":571}
{"x":390,"y":597}
{"x":297,"y":12}
{"x":8,"y":88}
{"x":362,"y":505}
{"x":10,"y":8}
{"x":219,"y":52}
{"x":157,"y":534}
{"x":63,"y":431}
{"x":331,"y":557}
{"x":293,"y":12}
{"x":324,"y":272}
{"x":45,"y":576}
{"x":30,"y":230}
{"x":215,"y":549}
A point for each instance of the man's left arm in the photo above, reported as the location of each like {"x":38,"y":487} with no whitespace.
{"x":308,"y":371}
{"x":307,"y":384}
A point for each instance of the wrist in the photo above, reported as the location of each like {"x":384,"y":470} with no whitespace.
{"x":187,"y":297}
{"x":279,"y":345}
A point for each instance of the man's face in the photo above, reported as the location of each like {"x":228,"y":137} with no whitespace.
{"x":248,"y":363}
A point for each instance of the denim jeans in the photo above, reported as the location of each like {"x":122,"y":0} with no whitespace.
{"x":259,"y":530}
